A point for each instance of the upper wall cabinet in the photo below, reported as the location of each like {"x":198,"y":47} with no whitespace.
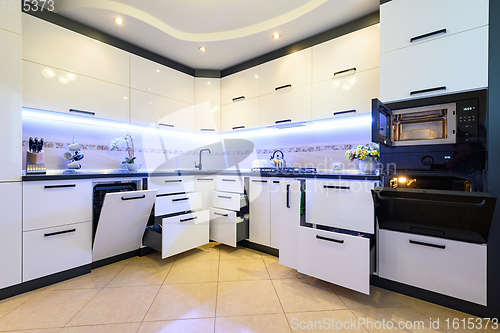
{"x":154,"y":78}
{"x":293,"y":70}
{"x":351,"y":53}
{"x":285,"y":106}
{"x":10,"y":16}
{"x":49,"y":44}
{"x":241,"y":85}
{"x":206,"y":104}
{"x":243,"y":114}
{"x":408,"y":22}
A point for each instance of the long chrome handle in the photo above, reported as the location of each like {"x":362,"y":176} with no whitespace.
{"x":59,"y":186}
{"x":288,"y":196}
{"x":437,"y":32}
{"x":344,"y":112}
{"x":340,"y":241}
{"x":215,"y":213}
{"x":180,"y":199}
{"x":345,"y":71}
{"x":189,"y":219}
{"x":82,"y":112}
{"x":282,"y":87}
{"x":335,"y":187}
{"x":134,"y":198}
{"x":59,"y":232}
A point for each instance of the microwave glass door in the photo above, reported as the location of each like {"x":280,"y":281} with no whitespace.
{"x":381,"y":123}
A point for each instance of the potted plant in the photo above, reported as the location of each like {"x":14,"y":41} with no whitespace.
{"x":126,"y":143}
{"x":367,"y":157}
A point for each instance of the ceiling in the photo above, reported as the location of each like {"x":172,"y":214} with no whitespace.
{"x":233,"y":31}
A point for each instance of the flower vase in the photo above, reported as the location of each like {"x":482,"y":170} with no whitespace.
{"x":369,"y":165}
{"x":132,"y":167}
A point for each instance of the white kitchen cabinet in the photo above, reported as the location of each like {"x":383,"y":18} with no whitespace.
{"x":345,"y":95}
{"x":52,"y":250}
{"x":52,"y":89}
{"x":403,"y":20}
{"x":293,"y":69}
{"x":448,"y":267}
{"x":355,"y":52}
{"x":10,"y":106}
{"x":53,"y":46}
{"x":154,"y":78}
{"x":226,"y":200}
{"x":207,"y":104}
{"x":440,"y":66}
{"x":276,"y":208}
{"x":150,"y":109}
{"x":11,"y":227}
{"x":287,"y":213}
{"x":239,"y":86}
{"x":233,"y":184}
{"x":56,"y":203}
{"x":242,"y":114}
{"x":177,"y":203}
{"x":205,"y":185}
{"x":288,"y":105}
{"x":260,"y":210}
{"x":10,"y":16}
{"x":171,"y":184}
{"x":224,"y":226}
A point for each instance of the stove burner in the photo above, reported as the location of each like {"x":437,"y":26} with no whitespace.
{"x":285,"y":170}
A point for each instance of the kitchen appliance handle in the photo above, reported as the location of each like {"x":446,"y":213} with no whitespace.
{"x":340,"y":241}
{"x":437,"y":32}
{"x":238,"y":127}
{"x":166,"y":125}
{"x":223,"y":197}
{"x":134,"y":198}
{"x":59,"y":186}
{"x":283,"y":121}
{"x":423,"y":91}
{"x":59,"y":232}
{"x":344,"y":112}
{"x":435,"y":202}
{"x":428,"y":244}
{"x":180,"y":199}
{"x":189,"y":219}
{"x":228,"y":180}
{"x":335,"y":187}
{"x":287,"y":195}
{"x":345,"y":71}
{"x":173,"y":181}
{"x":215,"y":213}
{"x":282,"y":87}
{"x":82,"y":112}
{"x":238,"y":98}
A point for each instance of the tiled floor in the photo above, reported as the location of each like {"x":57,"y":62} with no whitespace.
{"x":213,"y":289}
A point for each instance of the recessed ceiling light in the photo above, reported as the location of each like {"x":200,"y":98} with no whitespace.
{"x":203,"y":48}
{"x":125,"y":97}
{"x":256,"y":76}
{"x":276,"y":36}
{"x":119,"y":20}
{"x":208,"y":82}
{"x":157,"y":71}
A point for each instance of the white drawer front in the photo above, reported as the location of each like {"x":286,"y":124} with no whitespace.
{"x":230,"y":184}
{"x":337,"y":258}
{"x":184,"y":232}
{"x":171,"y":184}
{"x":223,"y":226}
{"x":457,"y":270}
{"x":177,"y":203}
{"x":52,"y":250}
{"x":52,"y":203}
{"x":341,"y":204}
{"x":226,"y":200}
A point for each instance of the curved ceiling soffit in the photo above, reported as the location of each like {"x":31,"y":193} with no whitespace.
{"x":186,"y":36}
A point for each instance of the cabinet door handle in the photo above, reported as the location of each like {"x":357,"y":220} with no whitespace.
{"x":59,"y":186}
{"x":428,"y":244}
{"x":229,"y":180}
{"x":166,"y":125}
{"x":344,"y":112}
{"x":82,"y":112}
{"x":345,"y":71}
{"x":180,"y":199}
{"x":173,"y":181}
{"x":340,"y":241}
{"x":283,"y":121}
{"x":238,"y":127}
{"x":223,"y":197}
{"x":207,"y":130}
{"x":437,"y":32}
{"x":282,"y":87}
{"x":334,"y":187}
{"x":259,"y":181}
{"x":59,"y":233}
{"x":287,"y":195}
{"x":189,"y":219}
{"x":134,"y":198}
{"x":416,"y":92}
{"x":238,"y":98}
{"x":276,"y":181}
{"x":205,"y":179}
{"x":215,"y":213}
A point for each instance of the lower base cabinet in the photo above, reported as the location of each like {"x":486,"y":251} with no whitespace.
{"x":52,"y":250}
{"x":226,"y":227}
{"x":448,"y":267}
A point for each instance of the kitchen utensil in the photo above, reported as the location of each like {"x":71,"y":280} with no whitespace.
{"x":278,"y":161}
{"x":67,"y":155}
{"x":41,"y":144}
{"x":30,"y":144}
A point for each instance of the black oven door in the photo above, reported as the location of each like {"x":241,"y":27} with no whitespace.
{"x":463,"y":216}
{"x":381,"y":123}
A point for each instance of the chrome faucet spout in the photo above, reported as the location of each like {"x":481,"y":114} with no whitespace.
{"x":199,"y":166}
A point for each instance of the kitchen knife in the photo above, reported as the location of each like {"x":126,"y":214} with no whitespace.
{"x":40,"y":145}
{"x":35,"y":144}
{"x":30,"y":144}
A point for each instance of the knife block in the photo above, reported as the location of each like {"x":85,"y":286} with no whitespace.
{"x":34,"y":158}
{"x":34,"y":163}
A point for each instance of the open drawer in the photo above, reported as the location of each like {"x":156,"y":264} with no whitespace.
{"x":334,"y":257}
{"x":224,"y":200}
{"x":177,"y":203}
{"x":226,"y":227}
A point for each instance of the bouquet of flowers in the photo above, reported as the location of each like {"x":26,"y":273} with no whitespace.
{"x":362,"y":152}
{"x":124,"y":143}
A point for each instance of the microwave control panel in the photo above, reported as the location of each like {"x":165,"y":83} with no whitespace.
{"x":468,"y":121}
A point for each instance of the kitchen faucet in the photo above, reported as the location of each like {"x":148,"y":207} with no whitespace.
{"x":199,"y":165}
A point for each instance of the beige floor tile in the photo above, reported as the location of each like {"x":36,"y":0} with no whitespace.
{"x":193,"y":272}
{"x":325,"y":321}
{"x":210,"y":251}
{"x":117,"y":305}
{"x":378,"y":298}
{"x":153,"y":259}
{"x":179,"y":326}
{"x":47,"y":309}
{"x":142,"y":273}
{"x":98,"y":278}
{"x":112,"y":328}
{"x":278,"y":272}
{"x":247,"y":298}
{"x":297,"y":295}
{"x":184,"y":301}
{"x":44,"y":330}
{"x":275,"y":323}
{"x":9,"y":304}
{"x":243,"y":269}
{"x":239,"y":252}
{"x":389,"y":319}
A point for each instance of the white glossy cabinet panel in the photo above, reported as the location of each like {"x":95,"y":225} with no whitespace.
{"x":289,"y":221}
{"x":171,"y":184}
{"x":51,"y":89}
{"x":54,"y":203}
{"x":241,"y":114}
{"x":205,"y":185}
{"x":223,"y":227}
{"x":453,"y":268}
{"x":341,"y":259}
{"x":403,"y":20}
{"x":206,"y":104}
{"x":177,"y":203}
{"x":260,"y":210}
{"x":294,"y":69}
{"x":359,"y":49}
{"x":287,"y":104}
{"x":226,"y":200}
{"x":230,"y":184}
{"x":241,"y":84}
{"x":331,"y":98}
{"x":52,"y":250}
{"x":428,"y":66}
{"x":151,"y":109}
{"x":10,"y":106}
{"x":11,"y":227}
{"x":276,"y":202}
{"x":152,"y":77}
{"x":51,"y":45}
{"x":10,"y":16}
